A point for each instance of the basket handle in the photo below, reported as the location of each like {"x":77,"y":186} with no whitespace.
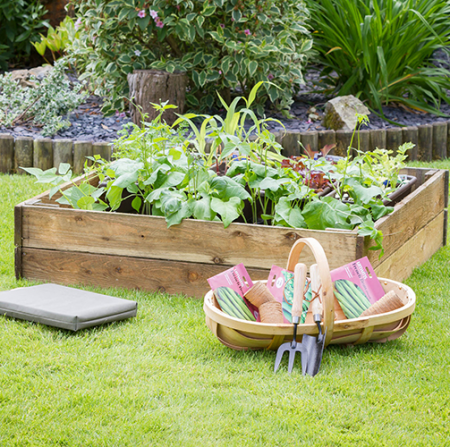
{"x":325,"y":277}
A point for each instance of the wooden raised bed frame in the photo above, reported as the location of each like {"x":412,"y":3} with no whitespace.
{"x":61,"y":245}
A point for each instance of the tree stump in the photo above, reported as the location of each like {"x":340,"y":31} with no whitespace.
{"x":155,"y":86}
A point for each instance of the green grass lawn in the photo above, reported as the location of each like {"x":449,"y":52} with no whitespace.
{"x":162,"y":379}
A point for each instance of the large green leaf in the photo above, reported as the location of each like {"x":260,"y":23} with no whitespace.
{"x":227,"y":188}
{"x":362,"y":194}
{"x":229,"y":210}
{"x":183,"y":212}
{"x":273,"y":184}
{"x":201,"y":209}
{"x":326,"y":213}
{"x":288,"y":215}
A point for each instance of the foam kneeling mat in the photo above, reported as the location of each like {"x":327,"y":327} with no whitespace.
{"x":64,"y":307}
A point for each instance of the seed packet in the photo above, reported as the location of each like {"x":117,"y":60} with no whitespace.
{"x":281,"y":285}
{"x":229,"y":288}
{"x":356,"y":287}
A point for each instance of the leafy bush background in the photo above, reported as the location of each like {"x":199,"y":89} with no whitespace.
{"x":379,"y":50}
{"x":46,"y":105}
{"x":20,"y":24}
{"x":221,"y":45}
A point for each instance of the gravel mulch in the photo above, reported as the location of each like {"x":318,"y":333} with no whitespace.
{"x":88,"y":122}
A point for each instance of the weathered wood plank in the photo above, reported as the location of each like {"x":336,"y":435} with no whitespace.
{"x":310,"y":139}
{"x":343,"y":139}
{"x":6,"y":153}
{"x":326,"y":137}
{"x":411,"y":135}
{"x":62,"y":152}
{"x":18,"y":225}
{"x":81,"y":149}
{"x":362,"y":140}
{"x":23,"y":154}
{"x":18,"y":262}
{"x":423,"y":205}
{"x":18,"y":240}
{"x":102,"y":149}
{"x":256,"y":246}
{"x":394,"y":137}
{"x":377,"y":139}
{"x":64,"y":267}
{"x":425,"y":142}
{"x":43,"y":153}
{"x":290,"y":142}
{"x":439,"y":140}
{"x":414,"y":252}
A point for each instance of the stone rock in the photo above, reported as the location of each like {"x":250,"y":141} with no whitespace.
{"x":340,"y":113}
{"x":23,"y":76}
{"x":41,"y":72}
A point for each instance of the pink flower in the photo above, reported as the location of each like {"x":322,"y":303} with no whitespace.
{"x":222,"y":25}
{"x":153,"y":14}
{"x":77,"y":24}
{"x":159,"y":24}
{"x":270,"y":76}
{"x":122,"y":115}
{"x":247,"y":32}
{"x":141,"y":14}
{"x":220,"y":72}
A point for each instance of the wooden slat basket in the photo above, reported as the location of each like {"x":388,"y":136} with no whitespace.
{"x":241,"y":334}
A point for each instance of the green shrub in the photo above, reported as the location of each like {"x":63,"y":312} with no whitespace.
{"x":20,"y":23}
{"x":57,"y":40}
{"x":221,"y":45}
{"x":379,"y":50}
{"x":45,"y":105}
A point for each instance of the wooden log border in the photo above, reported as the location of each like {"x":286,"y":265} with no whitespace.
{"x":45,"y":153}
{"x":432,"y":143}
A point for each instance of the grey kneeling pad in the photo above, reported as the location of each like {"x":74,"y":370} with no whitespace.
{"x":64,"y":307}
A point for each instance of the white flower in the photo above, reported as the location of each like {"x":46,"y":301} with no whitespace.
{"x":77,"y":24}
{"x":137,"y":52}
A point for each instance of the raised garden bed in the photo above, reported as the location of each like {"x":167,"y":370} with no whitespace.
{"x":62,"y":245}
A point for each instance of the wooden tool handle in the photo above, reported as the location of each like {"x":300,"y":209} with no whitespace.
{"x":316,"y":305}
{"x":299,"y":286}
{"x":325,"y":277}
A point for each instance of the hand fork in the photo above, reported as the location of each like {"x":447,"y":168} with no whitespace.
{"x":293,"y":347}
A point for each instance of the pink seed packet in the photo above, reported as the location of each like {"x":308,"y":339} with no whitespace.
{"x":238,"y":280}
{"x":361,"y":273}
{"x":281,"y":285}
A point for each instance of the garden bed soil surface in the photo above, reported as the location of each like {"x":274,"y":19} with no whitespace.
{"x":62,"y":245}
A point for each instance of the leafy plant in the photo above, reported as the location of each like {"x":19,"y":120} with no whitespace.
{"x":83,"y":196}
{"x":45,"y":105}
{"x":163,"y":172}
{"x":221,"y":45}
{"x":57,"y":40}
{"x":380,"y":50}
{"x":21,"y":22}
